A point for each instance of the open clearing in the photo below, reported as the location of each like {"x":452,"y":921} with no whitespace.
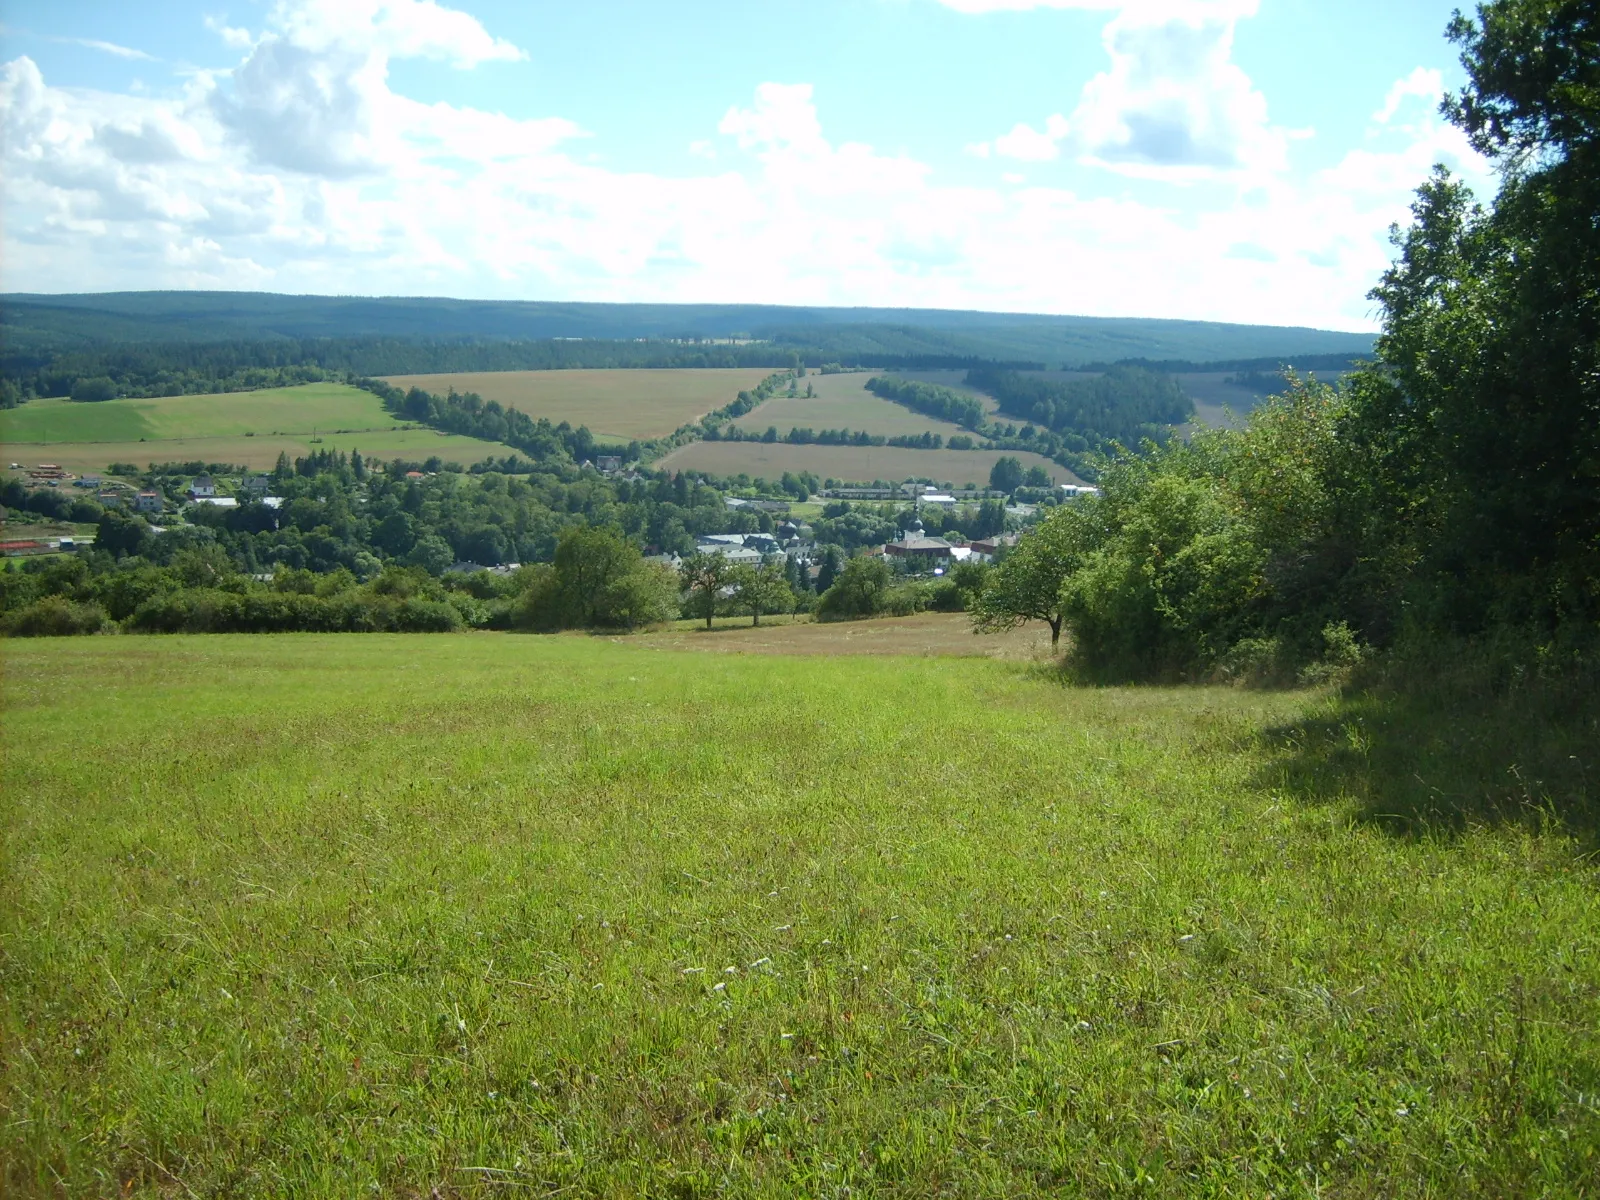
{"x":842,"y":402}
{"x":619,"y":403}
{"x":486,"y":914}
{"x":861,"y":464}
{"x":88,"y":437}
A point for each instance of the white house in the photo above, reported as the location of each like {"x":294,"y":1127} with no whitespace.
{"x":202,"y":487}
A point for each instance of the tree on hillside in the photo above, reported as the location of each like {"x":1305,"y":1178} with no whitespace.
{"x":1026,"y":586}
{"x":761,"y":589}
{"x":1006,"y":474}
{"x":861,"y":590}
{"x":589,"y":561}
{"x":704,"y":576}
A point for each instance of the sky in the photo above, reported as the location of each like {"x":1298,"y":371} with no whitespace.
{"x":1229,"y":160}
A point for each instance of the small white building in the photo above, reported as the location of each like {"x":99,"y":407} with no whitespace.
{"x":202,"y":487}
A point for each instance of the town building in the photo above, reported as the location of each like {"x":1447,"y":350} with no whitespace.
{"x":988,"y":549}
{"x":917,"y":550}
{"x":149,"y":502}
{"x":202,"y":487}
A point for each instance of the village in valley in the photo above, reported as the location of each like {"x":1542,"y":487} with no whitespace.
{"x":762,"y":529}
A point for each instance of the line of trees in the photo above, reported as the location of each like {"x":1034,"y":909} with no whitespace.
{"x":932,"y":400}
{"x":1124,"y":405}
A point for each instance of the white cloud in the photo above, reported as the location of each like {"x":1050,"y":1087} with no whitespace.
{"x":1424,"y":83}
{"x":303,"y":170}
{"x":1028,"y":144}
{"x":1171,"y":104}
{"x":232,"y":37}
{"x":395,"y":28}
{"x":109,"y":48}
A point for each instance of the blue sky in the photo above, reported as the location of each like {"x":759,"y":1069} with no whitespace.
{"x":1218,"y":159}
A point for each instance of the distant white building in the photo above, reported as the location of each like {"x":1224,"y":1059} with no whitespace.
{"x":734,"y":553}
{"x":1071,"y":491}
{"x":937,"y":499}
{"x":202,"y":487}
{"x":217,"y":501}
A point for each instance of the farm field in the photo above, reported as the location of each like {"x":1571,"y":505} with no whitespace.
{"x":842,"y":402}
{"x":462,"y":915}
{"x":850,"y":463}
{"x":250,"y":428}
{"x":618,"y":404}
{"x":312,"y":407}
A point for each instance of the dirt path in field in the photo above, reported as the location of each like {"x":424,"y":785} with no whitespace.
{"x":936,"y":634}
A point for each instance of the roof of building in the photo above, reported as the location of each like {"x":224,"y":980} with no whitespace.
{"x":919,"y":545}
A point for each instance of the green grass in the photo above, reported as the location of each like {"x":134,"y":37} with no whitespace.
{"x":249,"y":428}
{"x":294,"y":410}
{"x":486,"y":914}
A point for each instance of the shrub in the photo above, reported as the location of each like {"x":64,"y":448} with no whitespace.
{"x":947,"y":596}
{"x":95,"y":389}
{"x":55,"y":616}
{"x":861,"y":590}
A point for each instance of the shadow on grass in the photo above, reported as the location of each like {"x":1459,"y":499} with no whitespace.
{"x":1450,"y":740}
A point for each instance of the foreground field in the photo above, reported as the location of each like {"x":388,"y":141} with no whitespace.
{"x":851,"y":464}
{"x":622,"y":404}
{"x":467,"y":915}
{"x":251,"y":428}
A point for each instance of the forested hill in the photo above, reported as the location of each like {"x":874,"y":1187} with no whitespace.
{"x":41,"y":326}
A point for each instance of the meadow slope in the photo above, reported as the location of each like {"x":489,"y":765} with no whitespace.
{"x":249,"y":428}
{"x":487,"y":914}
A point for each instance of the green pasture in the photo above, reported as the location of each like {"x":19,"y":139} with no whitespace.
{"x":501,"y":915}
{"x":321,"y":407}
{"x":249,"y":428}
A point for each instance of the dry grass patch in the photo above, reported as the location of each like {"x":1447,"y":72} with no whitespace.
{"x":850,"y":463}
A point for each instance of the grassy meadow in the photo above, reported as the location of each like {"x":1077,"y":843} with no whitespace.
{"x":251,"y":428}
{"x":476,"y":915}
{"x":623,"y":403}
{"x":852,"y":463}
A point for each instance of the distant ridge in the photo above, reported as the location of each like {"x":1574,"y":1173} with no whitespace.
{"x":72,"y":321}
